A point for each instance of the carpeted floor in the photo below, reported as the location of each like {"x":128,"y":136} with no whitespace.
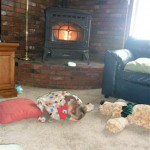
{"x":86,"y":134}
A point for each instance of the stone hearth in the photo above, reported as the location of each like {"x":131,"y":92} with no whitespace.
{"x":54,"y":73}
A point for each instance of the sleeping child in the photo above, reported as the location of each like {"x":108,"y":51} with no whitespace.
{"x":62,"y":105}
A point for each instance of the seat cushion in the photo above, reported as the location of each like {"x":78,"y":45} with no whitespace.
{"x":18,"y":109}
{"x":136,"y":77}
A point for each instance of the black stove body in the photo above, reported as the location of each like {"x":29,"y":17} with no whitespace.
{"x":67,"y":32}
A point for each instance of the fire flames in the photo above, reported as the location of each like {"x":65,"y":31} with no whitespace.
{"x":66,"y":32}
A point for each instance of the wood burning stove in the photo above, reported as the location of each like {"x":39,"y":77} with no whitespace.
{"x":67,"y":32}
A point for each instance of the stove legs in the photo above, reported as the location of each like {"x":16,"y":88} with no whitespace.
{"x":86,"y":54}
{"x":46,"y":51}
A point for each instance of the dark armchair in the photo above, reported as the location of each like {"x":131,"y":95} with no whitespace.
{"x":120,"y":83}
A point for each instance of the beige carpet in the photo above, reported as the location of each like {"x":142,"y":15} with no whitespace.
{"x":86,"y":134}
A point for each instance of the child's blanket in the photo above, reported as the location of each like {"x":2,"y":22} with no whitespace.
{"x":60,"y":104}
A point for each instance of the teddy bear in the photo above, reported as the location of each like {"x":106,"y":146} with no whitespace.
{"x":123,"y":114}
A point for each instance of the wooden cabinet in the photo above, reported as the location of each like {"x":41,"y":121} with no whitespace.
{"x":7,"y":69}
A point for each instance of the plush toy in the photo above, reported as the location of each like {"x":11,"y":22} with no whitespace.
{"x":123,"y":114}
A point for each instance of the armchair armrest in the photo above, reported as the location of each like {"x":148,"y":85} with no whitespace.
{"x":114,"y":62}
{"x":121,"y":56}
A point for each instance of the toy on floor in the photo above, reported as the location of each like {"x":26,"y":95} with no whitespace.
{"x":62,"y":105}
{"x":123,"y":114}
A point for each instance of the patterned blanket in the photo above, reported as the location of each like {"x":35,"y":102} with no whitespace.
{"x":57,"y":105}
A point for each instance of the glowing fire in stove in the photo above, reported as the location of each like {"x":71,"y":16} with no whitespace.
{"x":67,"y":33}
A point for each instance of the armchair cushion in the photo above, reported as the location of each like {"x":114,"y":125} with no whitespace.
{"x":136,"y":77}
{"x":139,"y":48}
{"x":139,"y":65}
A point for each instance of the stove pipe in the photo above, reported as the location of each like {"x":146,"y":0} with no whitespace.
{"x":64,"y":3}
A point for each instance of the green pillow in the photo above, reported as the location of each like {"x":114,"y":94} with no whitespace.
{"x":139,"y":65}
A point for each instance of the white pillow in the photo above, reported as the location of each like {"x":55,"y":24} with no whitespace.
{"x":139,"y":65}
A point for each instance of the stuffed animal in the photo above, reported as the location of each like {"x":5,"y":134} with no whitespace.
{"x":123,"y":114}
